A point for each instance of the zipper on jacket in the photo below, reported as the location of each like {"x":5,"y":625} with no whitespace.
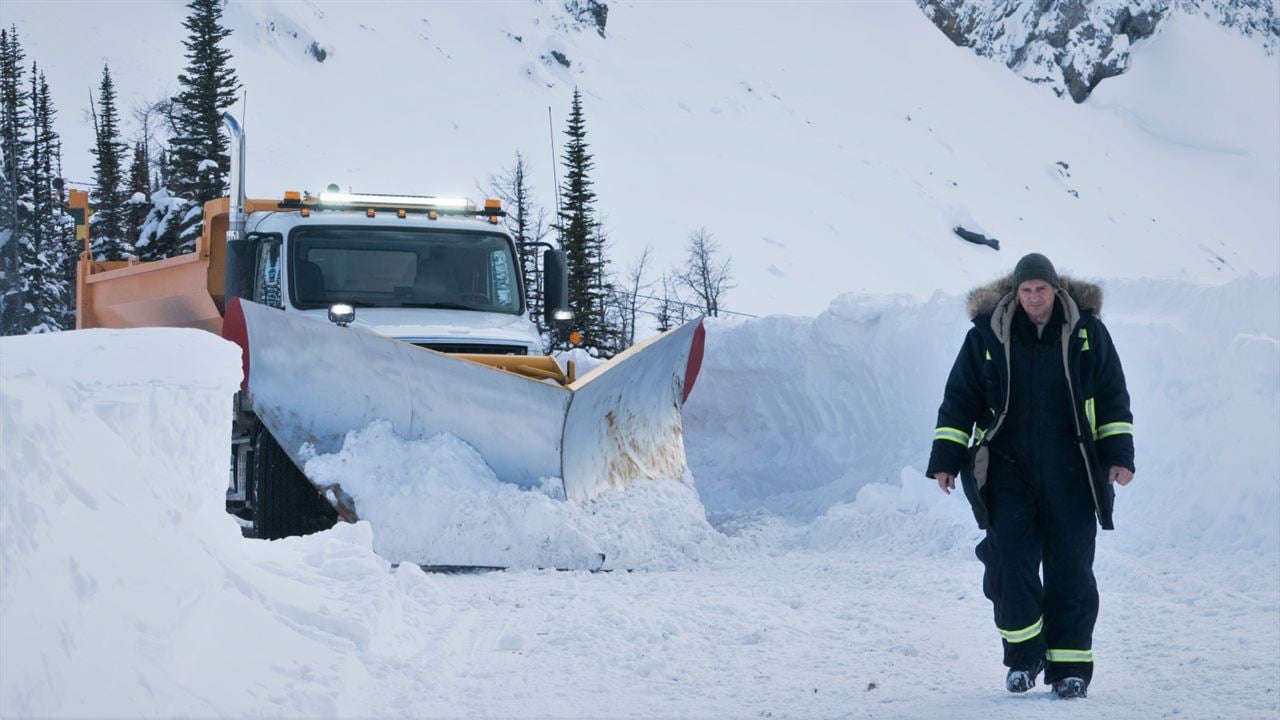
{"x":1075,"y":415}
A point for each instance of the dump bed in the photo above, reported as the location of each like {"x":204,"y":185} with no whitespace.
{"x":183,"y":291}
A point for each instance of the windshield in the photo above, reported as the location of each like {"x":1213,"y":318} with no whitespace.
{"x":392,"y":267}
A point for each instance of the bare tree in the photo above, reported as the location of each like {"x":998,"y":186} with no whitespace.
{"x":669,"y":305}
{"x":705,"y":274}
{"x":527,"y":223}
{"x":632,"y":298}
{"x":153,"y":120}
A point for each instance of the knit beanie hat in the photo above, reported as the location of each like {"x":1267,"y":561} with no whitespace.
{"x":1035,"y":267}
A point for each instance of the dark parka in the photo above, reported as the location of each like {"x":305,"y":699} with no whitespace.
{"x":976,"y":401}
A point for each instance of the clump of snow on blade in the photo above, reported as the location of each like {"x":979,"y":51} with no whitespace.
{"x":583,"y":361}
{"x":436,"y":502}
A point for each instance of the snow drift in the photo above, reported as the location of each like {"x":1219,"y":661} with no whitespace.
{"x":799,"y":433}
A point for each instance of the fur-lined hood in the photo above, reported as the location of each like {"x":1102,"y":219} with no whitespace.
{"x":983,"y":299}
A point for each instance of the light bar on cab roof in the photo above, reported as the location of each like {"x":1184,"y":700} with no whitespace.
{"x":399,"y":201}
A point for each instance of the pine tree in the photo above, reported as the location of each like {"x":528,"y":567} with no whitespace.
{"x":109,"y":223}
{"x":137,"y":191}
{"x":163,"y":171}
{"x":198,"y":151}
{"x":73,"y":244}
{"x":610,"y":333}
{"x":15,"y":189}
{"x":526,"y":222}
{"x":46,"y":257}
{"x":580,"y":235}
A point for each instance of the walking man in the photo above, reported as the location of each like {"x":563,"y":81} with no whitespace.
{"x":1039,"y":390}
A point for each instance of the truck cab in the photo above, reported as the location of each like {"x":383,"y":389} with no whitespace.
{"x":437,"y":281}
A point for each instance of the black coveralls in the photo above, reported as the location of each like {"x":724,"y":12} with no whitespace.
{"x":1043,"y":480}
{"x":1041,"y":511}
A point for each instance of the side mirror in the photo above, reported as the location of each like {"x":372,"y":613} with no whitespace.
{"x":555,"y":286}
{"x":341,"y":314}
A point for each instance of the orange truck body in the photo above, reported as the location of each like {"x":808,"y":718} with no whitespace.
{"x":183,"y":291}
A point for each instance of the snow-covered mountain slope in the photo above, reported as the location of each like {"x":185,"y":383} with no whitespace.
{"x":1072,"y":46}
{"x":127,"y":591}
{"x":830,"y":147}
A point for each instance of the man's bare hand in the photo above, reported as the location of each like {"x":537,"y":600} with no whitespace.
{"x":946,"y":481}
{"x":1120,"y":475}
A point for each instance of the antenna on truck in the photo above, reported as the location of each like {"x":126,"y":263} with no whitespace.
{"x":551,"y":131}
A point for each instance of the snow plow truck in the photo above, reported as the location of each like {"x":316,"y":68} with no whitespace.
{"x":357,"y":308}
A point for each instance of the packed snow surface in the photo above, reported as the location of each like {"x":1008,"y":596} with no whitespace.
{"x":835,"y":582}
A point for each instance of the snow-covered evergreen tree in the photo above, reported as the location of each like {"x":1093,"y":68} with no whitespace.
{"x":109,"y":231}
{"x":137,"y":190}
{"x":163,"y":171}
{"x":15,"y":185}
{"x":198,"y":151}
{"x":48,"y":255}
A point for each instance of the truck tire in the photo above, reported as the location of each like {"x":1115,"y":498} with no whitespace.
{"x":285,"y":503}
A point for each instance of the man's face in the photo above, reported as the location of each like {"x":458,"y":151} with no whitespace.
{"x":1036,"y":297}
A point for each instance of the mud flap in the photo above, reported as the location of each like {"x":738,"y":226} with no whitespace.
{"x":311,"y":382}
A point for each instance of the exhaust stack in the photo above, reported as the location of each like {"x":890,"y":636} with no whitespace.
{"x":236,"y":280}
{"x":235,"y":227}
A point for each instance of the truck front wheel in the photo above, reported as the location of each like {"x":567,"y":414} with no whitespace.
{"x":284,"y":502}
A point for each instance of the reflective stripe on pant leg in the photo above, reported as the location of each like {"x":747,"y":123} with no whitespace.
{"x":1068,"y":655}
{"x":1026,"y":633}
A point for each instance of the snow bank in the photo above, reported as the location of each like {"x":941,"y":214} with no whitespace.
{"x":125,"y":588}
{"x":794,"y":415}
{"x":435,"y":502}
{"x":803,"y":433}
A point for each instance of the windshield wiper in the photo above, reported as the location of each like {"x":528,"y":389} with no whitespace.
{"x":439,"y":306}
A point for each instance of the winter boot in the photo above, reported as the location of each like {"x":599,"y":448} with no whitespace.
{"x":1071,"y":687}
{"x":1020,"y":680}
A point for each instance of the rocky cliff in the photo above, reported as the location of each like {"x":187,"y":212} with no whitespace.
{"x":1072,"y":45}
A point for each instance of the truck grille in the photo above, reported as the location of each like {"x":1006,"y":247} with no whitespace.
{"x":475,"y":349}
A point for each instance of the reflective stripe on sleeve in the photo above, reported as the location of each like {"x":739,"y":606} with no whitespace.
{"x":1115,"y":428}
{"x":1061,"y":655}
{"x":952,"y":434}
{"x":1026,"y":633}
{"x":1084,"y":335}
